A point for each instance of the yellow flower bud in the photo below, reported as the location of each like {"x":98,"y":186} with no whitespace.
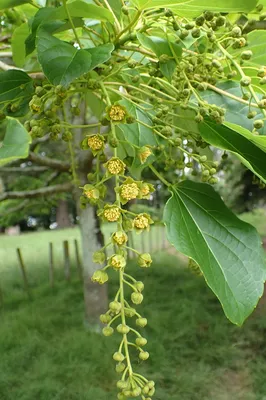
{"x":144,"y":260}
{"x":115,"y":166}
{"x":96,"y":142}
{"x":144,"y":355}
{"x":117,"y":261}
{"x":129,"y":191}
{"x":117,"y":112}
{"x":111,"y":213}
{"x":144,"y":153}
{"x":100,"y":277}
{"x":136,"y":298}
{"x":119,"y":238}
{"x":142,"y":222}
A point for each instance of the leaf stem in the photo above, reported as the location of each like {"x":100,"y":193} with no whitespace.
{"x":71,"y":23}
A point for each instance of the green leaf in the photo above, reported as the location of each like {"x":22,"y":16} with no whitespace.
{"x":256,"y":42}
{"x":236,"y":112}
{"x":227,"y":250}
{"x":248,"y":147}
{"x":195,"y":7}
{"x":137,"y":134}
{"x":100,"y":54}
{"x":82,"y":9}
{"x":15,"y":87}
{"x":12,"y":3}
{"x":16,"y":142}
{"x":18,"y":44}
{"x":60,"y":61}
{"x":159,"y":47}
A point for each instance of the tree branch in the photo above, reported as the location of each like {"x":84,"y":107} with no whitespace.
{"x":49,"y":162}
{"x":25,"y":170}
{"x":15,"y":209}
{"x":31,"y":194}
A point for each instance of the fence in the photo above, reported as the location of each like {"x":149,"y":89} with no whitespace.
{"x":147,"y":242}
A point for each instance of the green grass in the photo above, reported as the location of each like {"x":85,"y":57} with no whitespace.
{"x":46,"y":353}
{"x":34,"y":247}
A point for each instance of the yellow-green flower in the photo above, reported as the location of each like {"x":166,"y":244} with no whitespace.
{"x":100,"y":277}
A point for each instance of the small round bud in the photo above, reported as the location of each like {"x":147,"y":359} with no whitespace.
{"x":144,"y":260}
{"x":118,"y":356}
{"x":203,"y":158}
{"x":119,"y":238}
{"x":251,"y":114}
{"x":115,"y":306}
{"x":130,"y":312}
{"x":213,"y":171}
{"x":136,"y":392}
{"x":105,"y":318}
{"x":117,"y":261}
{"x":236,"y":31}
{"x":108,"y":331}
{"x":246,"y":55}
{"x":141,"y":341}
{"x":213,"y":180}
{"x":142,"y":322}
{"x":122,"y":385}
{"x":98,"y":257}
{"x":100,"y":277}
{"x":120,"y":367}
{"x":151,"y":384}
{"x":122,"y":328}
{"x":125,"y":10}
{"x":258,"y":124}
{"x":139,"y":286}
{"x":245,"y":81}
{"x":136,"y":298}
{"x":144,"y":355}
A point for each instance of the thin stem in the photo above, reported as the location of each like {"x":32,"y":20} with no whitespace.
{"x":129,"y":26}
{"x":71,"y":23}
{"x":157,"y":173}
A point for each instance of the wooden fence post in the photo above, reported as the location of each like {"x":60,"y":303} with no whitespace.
{"x":151,"y":240}
{"x":24,"y":274}
{"x":1,"y":298}
{"x":66,"y":260}
{"x":51,"y":264}
{"x":78,"y":261}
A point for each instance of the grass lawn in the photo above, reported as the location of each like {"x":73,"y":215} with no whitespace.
{"x":34,"y":247}
{"x":46,"y":353}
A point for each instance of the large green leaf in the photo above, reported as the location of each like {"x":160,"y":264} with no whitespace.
{"x":18,"y":44}
{"x":100,"y":54}
{"x":195,"y":7}
{"x":12,"y":3}
{"x":248,"y":147}
{"x":227,"y":250}
{"x":160,"y":46}
{"x":136,"y":134}
{"x":16,"y":142}
{"x":236,"y":112}
{"x":15,"y":87}
{"x":60,"y":61}
{"x":79,"y":8}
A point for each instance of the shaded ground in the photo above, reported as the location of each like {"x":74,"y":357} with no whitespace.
{"x":196,"y":354}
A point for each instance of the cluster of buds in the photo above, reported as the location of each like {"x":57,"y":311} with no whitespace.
{"x":122,"y":315}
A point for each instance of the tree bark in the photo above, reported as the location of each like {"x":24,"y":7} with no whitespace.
{"x":95,"y":295}
{"x":62,"y":215}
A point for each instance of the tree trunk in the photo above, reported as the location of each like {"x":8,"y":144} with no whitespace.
{"x":95,"y":295}
{"x":62,"y":215}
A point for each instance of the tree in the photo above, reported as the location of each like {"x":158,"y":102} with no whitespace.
{"x":136,"y":87}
